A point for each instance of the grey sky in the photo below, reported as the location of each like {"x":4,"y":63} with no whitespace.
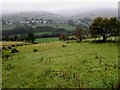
{"x":55,"y":5}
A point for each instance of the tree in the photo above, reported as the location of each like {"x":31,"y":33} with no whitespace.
{"x":105,"y":27}
{"x":15,"y":37}
{"x":100,"y":26}
{"x":63,"y":37}
{"x":30,"y":37}
{"x":114,"y":26}
{"x":7,"y":38}
{"x":79,"y":34}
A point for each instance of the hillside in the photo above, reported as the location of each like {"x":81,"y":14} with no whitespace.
{"x":78,"y":65}
{"x":67,"y":20}
{"x":22,"y":15}
{"x":63,"y":15}
{"x":77,"y":13}
{"x":10,"y":21}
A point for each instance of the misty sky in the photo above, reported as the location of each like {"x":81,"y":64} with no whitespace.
{"x":55,"y":5}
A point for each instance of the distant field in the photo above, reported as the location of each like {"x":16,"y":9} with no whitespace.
{"x":7,"y":27}
{"x":38,"y":40}
{"x":77,"y":65}
{"x":56,"y":25}
{"x":59,"y":25}
{"x":52,"y":39}
{"x":4,"y":43}
{"x":42,"y":33}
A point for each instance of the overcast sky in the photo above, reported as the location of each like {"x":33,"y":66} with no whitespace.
{"x":55,"y":5}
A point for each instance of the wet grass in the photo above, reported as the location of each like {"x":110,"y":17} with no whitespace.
{"x":78,"y":65}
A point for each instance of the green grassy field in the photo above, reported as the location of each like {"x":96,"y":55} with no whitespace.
{"x":52,"y":39}
{"x":78,"y":65}
{"x":0,"y":71}
{"x":59,"y":25}
{"x":56,"y":25}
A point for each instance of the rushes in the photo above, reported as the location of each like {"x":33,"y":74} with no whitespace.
{"x":41,"y":59}
{"x":61,"y":74}
{"x":99,"y":58}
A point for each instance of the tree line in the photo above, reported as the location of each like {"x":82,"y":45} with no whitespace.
{"x":30,"y":37}
{"x":21,"y":33}
{"x":101,"y":27}
{"x":24,"y":30}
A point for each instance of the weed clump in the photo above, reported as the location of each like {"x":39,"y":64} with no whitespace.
{"x":9,"y":47}
{"x":20,"y":44}
{"x":64,"y":45}
{"x":4,"y":48}
{"x":10,"y":66}
{"x":13,"y":45}
{"x":41,"y":59}
{"x":17,"y":45}
{"x":14,"y":50}
{"x":6,"y":56}
{"x":35,"y":50}
{"x":96,"y":56}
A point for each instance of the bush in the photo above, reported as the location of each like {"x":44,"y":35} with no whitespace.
{"x":14,"y":50}
{"x":63,"y":37}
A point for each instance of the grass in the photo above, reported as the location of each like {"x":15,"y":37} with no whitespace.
{"x":0,"y":65}
{"x":78,"y":65}
{"x":42,"y":33}
{"x":0,"y":71}
{"x":52,"y":39}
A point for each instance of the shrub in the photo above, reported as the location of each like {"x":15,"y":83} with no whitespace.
{"x":63,"y":37}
